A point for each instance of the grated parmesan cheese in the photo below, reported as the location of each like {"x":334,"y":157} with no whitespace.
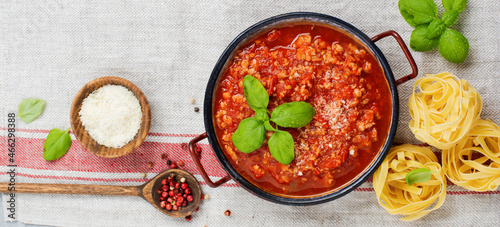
{"x":112,"y":115}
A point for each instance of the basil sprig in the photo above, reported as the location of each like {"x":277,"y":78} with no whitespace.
{"x":430,"y":31}
{"x":293,"y":114}
{"x":281,"y":146}
{"x":418,"y":176}
{"x":250,"y":135}
{"x":57,"y":144}
{"x":255,"y":93}
{"x":251,"y":132}
{"x":30,"y":109}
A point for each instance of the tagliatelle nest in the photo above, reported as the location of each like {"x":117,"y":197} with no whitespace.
{"x":396,"y":196}
{"x":474,"y":163}
{"x":444,"y":110}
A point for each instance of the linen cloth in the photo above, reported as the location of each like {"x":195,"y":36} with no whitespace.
{"x":50,"y":49}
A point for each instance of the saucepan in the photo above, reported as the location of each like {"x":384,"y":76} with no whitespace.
{"x":266,"y":26}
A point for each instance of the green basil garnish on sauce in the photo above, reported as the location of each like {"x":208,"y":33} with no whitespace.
{"x":255,"y":93}
{"x":269,"y":127}
{"x":418,"y":176}
{"x":261,"y":115}
{"x":57,"y":144}
{"x":281,"y":147}
{"x":30,"y":109}
{"x":251,"y":132}
{"x":293,"y":114}
{"x":250,"y":135}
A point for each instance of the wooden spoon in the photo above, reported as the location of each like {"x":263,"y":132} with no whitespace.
{"x":147,"y":191}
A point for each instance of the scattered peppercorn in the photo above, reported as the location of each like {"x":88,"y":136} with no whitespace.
{"x":169,"y":162}
{"x":173,"y":165}
{"x":180,"y":163}
{"x":227,"y":212}
{"x":151,"y":165}
{"x":196,"y":109}
{"x":143,"y":175}
{"x":191,"y":100}
{"x":163,"y":156}
{"x":207,"y":196}
{"x":188,"y":218}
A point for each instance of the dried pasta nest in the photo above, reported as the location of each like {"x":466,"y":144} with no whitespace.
{"x":474,"y":163}
{"x":396,"y":196}
{"x":444,"y":110}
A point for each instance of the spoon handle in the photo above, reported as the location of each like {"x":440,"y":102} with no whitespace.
{"x":70,"y":189}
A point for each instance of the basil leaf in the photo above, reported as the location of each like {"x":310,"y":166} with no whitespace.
{"x":250,"y":135}
{"x":450,"y":17}
{"x":57,"y":144}
{"x":261,"y":115}
{"x":458,"y":5}
{"x":269,"y":127}
{"x":293,"y":114}
{"x":453,"y":46}
{"x":281,"y":147}
{"x":418,"y":176}
{"x":30,"y":109}
{"x":419,"y":41}
{"x":418,"y":12}
{"x":255,"y":93}
{"x":435,"y":29}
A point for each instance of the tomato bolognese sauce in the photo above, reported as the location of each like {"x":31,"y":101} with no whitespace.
{"x":334,"y":73}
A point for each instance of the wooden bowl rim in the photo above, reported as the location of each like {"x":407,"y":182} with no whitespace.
{"x":80,"y":132}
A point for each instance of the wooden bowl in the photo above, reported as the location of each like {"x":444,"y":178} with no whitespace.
{"x":84,"y":137}
{"x":192,"y":183}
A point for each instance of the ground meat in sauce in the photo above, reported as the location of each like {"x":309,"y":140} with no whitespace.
{"x":335,"y":77}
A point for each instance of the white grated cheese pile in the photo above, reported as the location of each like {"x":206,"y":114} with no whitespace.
{"x":112,"y":115}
